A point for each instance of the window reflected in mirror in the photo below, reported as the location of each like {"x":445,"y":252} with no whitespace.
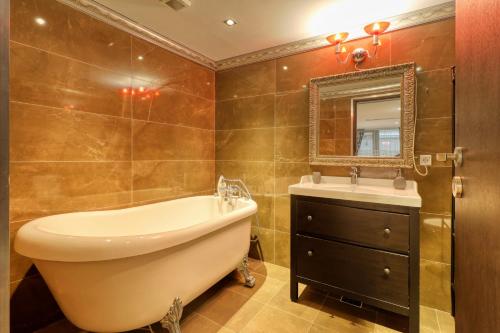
{"x":378,"y":126}
{"x":361,"y":118}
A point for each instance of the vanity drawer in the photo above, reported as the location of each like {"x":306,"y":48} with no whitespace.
{"x":369,"y":227}
{"x":373,"y":273}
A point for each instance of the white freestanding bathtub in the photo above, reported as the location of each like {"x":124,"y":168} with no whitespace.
{"x":113,"y":271}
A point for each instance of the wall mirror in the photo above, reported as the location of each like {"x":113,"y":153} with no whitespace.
{"x":364,"y":118}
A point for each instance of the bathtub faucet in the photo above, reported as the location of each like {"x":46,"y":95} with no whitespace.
{"x":232,"y":189}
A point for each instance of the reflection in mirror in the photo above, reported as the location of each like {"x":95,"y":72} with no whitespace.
{"x":361,"y":118}
{"x":378,"y":123}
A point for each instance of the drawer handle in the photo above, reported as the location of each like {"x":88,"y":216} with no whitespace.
{"x":309,"y":218}
{"x":310,"y":253}
{"x":387,"y":231}
{"x":387,"y":271}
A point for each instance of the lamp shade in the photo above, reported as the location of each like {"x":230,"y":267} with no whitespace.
{"x":377,"y":28}
{"x":337,"y":38}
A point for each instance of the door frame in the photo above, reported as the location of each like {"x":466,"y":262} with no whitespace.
{"x":4,"y":167}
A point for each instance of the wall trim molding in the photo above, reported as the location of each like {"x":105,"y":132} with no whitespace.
{"x":418,"y":17}
{"x":109,"y":16}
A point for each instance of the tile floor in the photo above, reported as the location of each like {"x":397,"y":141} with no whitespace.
{"x":229,"y":307}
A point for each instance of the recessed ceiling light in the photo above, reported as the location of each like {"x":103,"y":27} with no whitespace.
{"x":40,"y":21}
{"x":140,"y":58}
{"x":285,"y":68}
{"x":230,"y":22}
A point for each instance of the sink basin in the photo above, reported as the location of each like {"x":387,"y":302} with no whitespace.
{"x":368,"y":190}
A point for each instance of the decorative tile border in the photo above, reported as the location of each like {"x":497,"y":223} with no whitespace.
{"x":121,"y":22}
{"x":105,"y":14}
{"x":422,"y":16}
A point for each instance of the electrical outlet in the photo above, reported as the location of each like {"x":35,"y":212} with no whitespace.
{"x":426,"y":160}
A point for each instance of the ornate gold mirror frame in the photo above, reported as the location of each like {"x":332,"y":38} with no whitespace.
{"x":407,"y":95}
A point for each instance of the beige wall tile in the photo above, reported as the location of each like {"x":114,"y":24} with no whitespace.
{"x":39,"y":77}
{"x":434,"y":135}
{"x":435,"y":92}
{"x":19,"y":265}
{"x":41,"y":189}
{"x":154,"y":180}
{"x":165,"y":105}
{"x":435,"y":237}
{"x":249,"y":80}
{"x":292,"y":109}
{"x":435,"y":190}
{"x":245,"y":113}
{"x":282,"y":248}
{"x":265,"y":211}
{"x":288,"y":174}
{"x":245,"y":145}
{"x":435,"y":285}
{"x":431,"y":45}
{"x":292,"y":144}
{"x":265,"y":250}
{"x":282,"y":213}
{"x":67,"y":33}
{"x":167,"y":69}
{"x":154,"y":141}
{"x":48,"y":134}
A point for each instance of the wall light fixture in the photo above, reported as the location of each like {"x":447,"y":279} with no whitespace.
{"x":358,"y":55}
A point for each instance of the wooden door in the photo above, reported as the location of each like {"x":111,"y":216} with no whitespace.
{"x":477,"y":129}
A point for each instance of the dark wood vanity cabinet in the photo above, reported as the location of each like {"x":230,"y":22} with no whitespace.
{"x":362,"y":251}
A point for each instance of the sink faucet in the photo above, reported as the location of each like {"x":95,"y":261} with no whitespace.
{"x":354,"y":175}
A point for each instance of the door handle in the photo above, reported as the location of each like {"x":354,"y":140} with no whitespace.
{"x":457,"y":187}
{"x":457,"y":156}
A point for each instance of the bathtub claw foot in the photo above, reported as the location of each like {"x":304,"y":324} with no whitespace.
{"x":249,"y":278}
{"x":172,"y":319}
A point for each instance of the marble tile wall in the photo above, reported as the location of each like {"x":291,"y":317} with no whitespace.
{"x":262,"y":137}
{"x":79,"y":141}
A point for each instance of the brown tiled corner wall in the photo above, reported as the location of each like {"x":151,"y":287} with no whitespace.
{"x":78,"y":142}
{"x":262,"y":137}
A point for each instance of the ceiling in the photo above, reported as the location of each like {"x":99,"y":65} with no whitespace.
{"x":261,"y":23}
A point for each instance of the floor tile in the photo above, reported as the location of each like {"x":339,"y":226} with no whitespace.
{"x":275,"y":272}
{"x":339,"y":317}
{"x":196,"y":323}
{"x":428,"y":319}
{"x":306,"y":308}
{"x":222,"y":306}
{"x":230,"y":307}
{"x":264,"y":290}
{"x":271,"y":320}
{"x":446,"y":322}
{"x":388,"y":322}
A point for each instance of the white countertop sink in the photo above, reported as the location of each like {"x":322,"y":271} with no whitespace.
{"x":367,"y":190}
